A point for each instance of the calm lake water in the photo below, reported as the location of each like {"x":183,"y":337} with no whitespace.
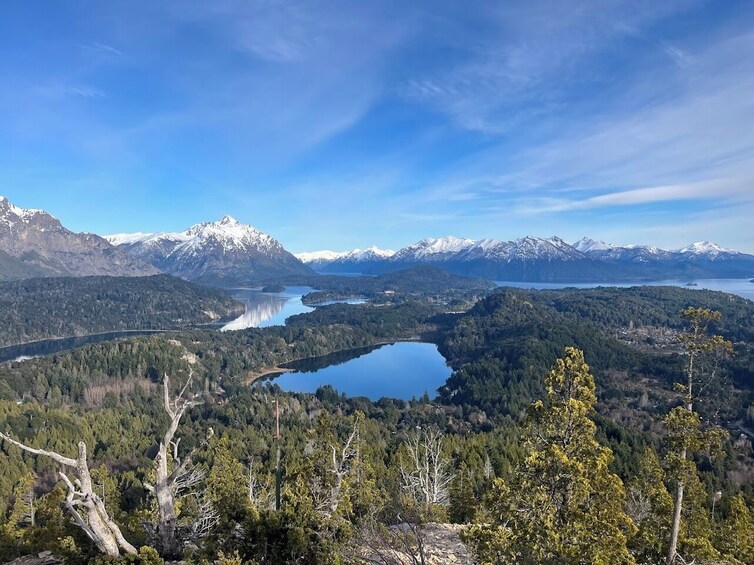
{"x":402,"y":370}
{"x":264,"y":309}
{"x":740,"y":287}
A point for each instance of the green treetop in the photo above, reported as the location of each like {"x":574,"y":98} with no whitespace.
{"x":562,"y":505}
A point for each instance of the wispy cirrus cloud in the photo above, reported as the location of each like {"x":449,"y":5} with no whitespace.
{"x":63,"y":90}
{"x":675,"y":135}
{"x":384,"y":122}
{"x":532,"y":59}
{"x":102,"y":48}
{"x":720,"y":191}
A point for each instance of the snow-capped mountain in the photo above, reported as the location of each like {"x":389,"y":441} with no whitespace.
{"x":707,"y":249}
{"x":548,"y":259}
{"x":222,"y":253}
{"x":586,"y":245}
{"x":431,"y":249}
{"x":356,"y":261}
{"x":35,"y":244}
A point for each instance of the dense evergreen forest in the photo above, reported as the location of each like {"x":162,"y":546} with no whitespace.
{"x":567,"y":415}
{"x":417,"y":283}
{"x":45,"y":308}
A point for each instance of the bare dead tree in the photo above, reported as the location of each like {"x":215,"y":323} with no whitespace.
{"x":489,"y":473}
{"x":401,"y":544}
{"x":261,"y":494}
{"x":326,"y":488}
{"x":426,"y":475}
{"x":320,"y":495}
{"x":169,"y":485}
{"x":206,"y":518}
{"x":84,"y":505}
{"x":342,"y":456}
{"x":638,"y":504}
{"x":29,"y":500}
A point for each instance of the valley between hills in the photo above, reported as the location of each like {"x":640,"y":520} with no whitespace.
{"x":353,"y":419}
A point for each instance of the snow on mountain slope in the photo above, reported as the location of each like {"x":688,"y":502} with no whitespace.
{"x":10,"y":213}
{"x":224,"y":252}
{"x":706,"y":248}
{"x":369,"y":254}
{"x":126,"y":238}
{"x":227,"y":232}
{"x":356,"y":255}
{"x":34,"y":243}
{"x":534,"y":258}
{"x":345,"y":261}
{"x":230,"y":234}
{"x":433,"y":249}
{"x":531,"y":248}
{"x":586,"y":245}
{"x":324,"y":255}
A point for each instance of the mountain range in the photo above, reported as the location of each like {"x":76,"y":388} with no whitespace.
{"x":541,"y":260}
{"x":35,"y":244}
{"x":223,"y":253}
{"x":227,"y":253}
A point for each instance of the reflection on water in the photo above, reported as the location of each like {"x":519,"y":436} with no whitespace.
{"x":314,"y":364}
{"x":402,"y":370}
{"x":22,"y":358}
{"x":265,"y":309}
{"x":342,"y":301}
{"x":256,"y":313}
{"x":739,"y":287}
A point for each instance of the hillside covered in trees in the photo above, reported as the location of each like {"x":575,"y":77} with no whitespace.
{"x":567,"y":415}
{"x":45,"y":308}
{"x":421,"y":282}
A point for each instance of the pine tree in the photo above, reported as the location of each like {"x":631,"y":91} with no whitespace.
{"x":562,"y":505}
{"x":686,"y":434}
{"x":735,"y":534}
{"x":463,"y":504}
{"x":226,"y":491}
{"x":650,"y":506}
{"x":18,"y":523}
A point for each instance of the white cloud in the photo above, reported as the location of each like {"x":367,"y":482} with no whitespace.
{"x":103,"y":49}
{"x":63,"y":90}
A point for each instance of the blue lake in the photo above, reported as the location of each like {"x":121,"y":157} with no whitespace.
{"x":401,"y":370}
{"x":739,"y":287}
{"x":264,"y":309}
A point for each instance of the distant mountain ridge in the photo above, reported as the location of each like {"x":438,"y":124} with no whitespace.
{"x":552,"y":259}
{"x":358,"y":258}
{"x":222,"y":253}
{"x":33,"y":243}
{"x":227,"y":253}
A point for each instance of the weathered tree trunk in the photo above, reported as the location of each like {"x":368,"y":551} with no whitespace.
{"x":426,"y":475}
{"x":673,"y":549}
{"x":96,"y":522}
{"x":166,"y":517}
{"x":341,"y":466}
{"x":676,"y":526}
{"x":168,"y":484}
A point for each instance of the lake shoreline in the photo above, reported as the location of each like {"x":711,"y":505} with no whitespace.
{"x":403,"y":370}
{"x":279,"y":369}
{"x":736,"y":287}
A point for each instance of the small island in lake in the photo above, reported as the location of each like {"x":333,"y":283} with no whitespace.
{"x":273,"y":288}
{"x":691,"y":284}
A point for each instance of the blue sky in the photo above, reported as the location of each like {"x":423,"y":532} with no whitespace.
{"x":344,"y":124}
